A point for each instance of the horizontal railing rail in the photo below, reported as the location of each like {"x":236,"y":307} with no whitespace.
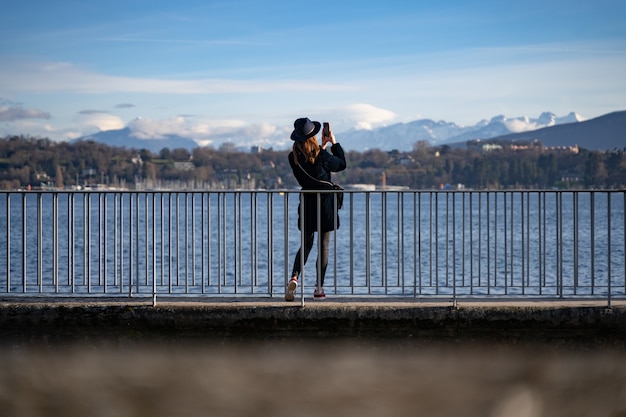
{"x":408,"y":244}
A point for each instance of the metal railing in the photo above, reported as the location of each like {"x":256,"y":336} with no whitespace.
{"x":408,"y":244}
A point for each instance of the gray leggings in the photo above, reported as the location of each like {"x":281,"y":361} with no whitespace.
{"x":308,"y":245}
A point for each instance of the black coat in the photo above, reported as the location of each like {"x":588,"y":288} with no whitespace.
{"x":324,"y":164}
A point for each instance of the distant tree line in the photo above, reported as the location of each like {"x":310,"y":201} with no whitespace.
{"x":36,"y":162}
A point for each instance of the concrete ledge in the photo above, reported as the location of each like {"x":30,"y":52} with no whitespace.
{"x":28,"y":321}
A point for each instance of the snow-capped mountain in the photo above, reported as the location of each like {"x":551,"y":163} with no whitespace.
{"x":607,"y":132}
{"x":125,"y":138}
{"x":403,"y":136}
{"x":399,"y":136}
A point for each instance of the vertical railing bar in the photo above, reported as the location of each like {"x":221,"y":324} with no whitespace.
{"x":221,"y":238}
{"x":453,"y":195}
{"x":528,"y":239}
{"x":471,"y":239}
{"x":103,"y":238}
{"x":237,"y":243}
{"x":480,"y":237}
{"x":121,"y":244}
{"x":146,"y":239}
{"x":593,"y":240}
{"x":540,"y":232}
{"x":193,"y":239}
{"x":437,"y":243}
{"x":99,"y":237}
{"x":254,"y":278}
{"x":557,"y":244}
{"x":137,"y":241}
{"x":335,"y":217}
{"x":88,"y":237}
{"x":608,"y":249}
{"x":8,"y":222}
{"x":522,"y":240}
{"x":130,"y":244}
{"x":170,"y":239}
{"x":270,"y":242}
{"x":86,"y":243}
{"x":463,"y":208}
{"x":544,"y":238}
{"x":208,"y":240}
{"x":24,"y":285}
{"x":522,"y":263}
{"x":401,"y":249}
{"x":302,"y":226}
{"x":416,"y":253}
{"x":162,"y":236}
{"x":203,"y":263}
{"x":419,"y":233}
{"x":400,"y":239}
{"x":177,"y":228}
{"x":506,"y":242}
{"x":115,"y":238}
{"x":624,"y":236}
{"x":383,"y":245}
{"x":368,"y":249}
{"x":488,"y":221}
{"x":253,"y":235}
{"x":173,"y":258}
{"x":133,"y":242}
{"x":71,"y":236}
{"x":186,"y":240}
{"x":154,"y":249}
{"x":286,"y":272}
{"x":512,"y":270}
{"x":560,"y":242}
{"x":575,"y":232}
{"x":351,"y":248}
{"x":55,"y":247}
{"x":495,"y":241}
{"x":318,"y":222}
{"x":431,"y":252}
{"x":512,"y":238}
{"x":39,"y":235}
{"x":222,"y":241}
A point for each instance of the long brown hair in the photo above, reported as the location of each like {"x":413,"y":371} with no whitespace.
{"x":309,"y":149}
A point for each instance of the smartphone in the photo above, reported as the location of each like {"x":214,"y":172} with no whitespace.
{"x":326,"y":131}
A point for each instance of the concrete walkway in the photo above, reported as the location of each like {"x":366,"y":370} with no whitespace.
{"x":355,"y":358}
{"x":57,"y":320}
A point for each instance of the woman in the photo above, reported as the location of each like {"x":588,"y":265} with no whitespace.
{"x":312,"y":163}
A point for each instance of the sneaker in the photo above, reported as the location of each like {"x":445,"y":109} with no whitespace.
{"x":290,"y":294}
{"x":319,"y":294}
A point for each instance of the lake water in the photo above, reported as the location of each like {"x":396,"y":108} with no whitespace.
{"x":403,"y":243}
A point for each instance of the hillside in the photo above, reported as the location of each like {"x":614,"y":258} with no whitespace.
{"x":606,"y":132}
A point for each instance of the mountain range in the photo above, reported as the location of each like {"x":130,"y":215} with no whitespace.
{"x":605,"y":132}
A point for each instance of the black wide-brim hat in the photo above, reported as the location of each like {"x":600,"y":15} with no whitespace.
{"x":304,"y":129}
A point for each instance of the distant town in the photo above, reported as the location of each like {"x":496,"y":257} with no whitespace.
{"x":28,"y":163}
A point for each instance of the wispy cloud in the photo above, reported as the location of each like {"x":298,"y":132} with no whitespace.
{"x":94,"y":120}
{"x":205,"y":131}
{"x":91,"y":112}
{"x":65,"y":77}
{"x":10,"y":112}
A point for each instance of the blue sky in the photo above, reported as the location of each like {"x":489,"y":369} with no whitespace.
{"x":242,"y":69}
